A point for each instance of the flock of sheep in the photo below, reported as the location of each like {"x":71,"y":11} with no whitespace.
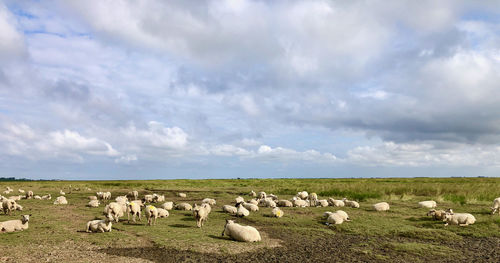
{"x":131,"y":205}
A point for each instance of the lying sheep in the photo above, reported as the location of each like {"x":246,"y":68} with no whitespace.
{"x":133,"y":194}
{"x":15,"y":225}
{"x":61,"y":192}
{"x":239,"y":199}
{"x":273,"y":197}
{"x":183,"y":206}
{"x":313,"y":198}
{"x":21,"y":191}
{"x":168,"y":205}
{"x":241,"y":211}
{"x":162,"y":213}
{"x":133,"y":209}
{"x":302,"y":195}
{"x":99,"y":225}
{"x":18,"y":207}
{"x":151,"y":214}
{"x":267,"y":202}
{"x":8,"y":205}
{"x":380,"y":207}
{"x":300,"y":203}
{"x":61,"y":200}
{"x":46,"y":197}
{"x":322,"y":203}
{"x":261,"y":195}
{"x":349,"y":203}
{"x":427,"y":204}
{"x":93,"y":203}
{"x":241,"y":233}
{"x":252,"y":194}
{"x":158,"y":198}
{"x":229,"y":209}
{"x":209,"y":201}
{"x":337,"y":203}
{"x":251,"y":207}
{"x":341,"y":213}
{"x":37,"y":197}
{"x":496,"y":206}
{"x":114,"y":210}
{"x":183,"y":195}
{"x":15,"y":197}
{"x":147,"y":199}
{"x":29,"y":194}
{"x":334,"y":218}
{"x":284,"y":203}
{"x":92,"y":197}
{"x":276,"y":212}
{"x":437,"y":214}
{"x":200,"y":213}
{"x":253,"y":202}
{"x":461,"y":219}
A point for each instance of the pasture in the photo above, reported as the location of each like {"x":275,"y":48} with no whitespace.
{"x":402,"y":234}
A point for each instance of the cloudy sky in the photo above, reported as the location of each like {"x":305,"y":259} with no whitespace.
{"x":215,"y":89}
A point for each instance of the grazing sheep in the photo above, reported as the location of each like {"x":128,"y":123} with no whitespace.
{"x":276,"y":212}
{"x":114,"y":210}
{"x":61,"y":200}
{"x":496,"y":206}
{"x":37,"y":197}
{"x":322,"y":203}
{"x":46,"y":197}
{"x":230,"y":209}
{"x":148,"y":198}
{"x":251,"y":207}
{"x":241,"y":210}
{"x":93,"y":203}
{"x":8,"y":205}
{"x":133,"y":194}
{"x":300,"y":203}
{"x":209,"y":201}
{"x":252,"y":194}
{"x":200,"y":213}
{"x":61,"y":192}
{"x":261,"y":195}
{"x":29,"y":194}
{"x":183,"y":206}
{"x":253,"y":202}
{"x":302,"y":195}
{"x":437,"y":214}
{"x":241,"y":233}
{"x":168,"y":205}
{"x":284,"y":203}
{"x":183,"y":195}
{"x":99,"y":225}
{"x":15,"y":225}
{"x":133,"y":209}
{"x":461,"y":219}
{"x":162,"y":213}
{"x":349,"y":203}
{"x":21,"y":191}
{"x":427,"y":204}
{"x":151,"y":213}
{"x":337,"y":203}
{"x":313,"y":198}
{"x":239,"y":199}
{"x":383,"y":206}
{"x":92,"y":197}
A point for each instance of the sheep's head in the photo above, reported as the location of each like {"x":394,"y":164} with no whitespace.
{"x":447,"y":216}
{"x":25,"y":218}
{"x":493,"y":210}
{"x":431,"y":212}
{"x":449,"y":211}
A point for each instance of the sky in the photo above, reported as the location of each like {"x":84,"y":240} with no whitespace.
{"x":115,"y":89}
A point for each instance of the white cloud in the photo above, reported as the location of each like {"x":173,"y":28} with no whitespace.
{"x":126,"y":159}
{"x":11,"y":41}
{"x":157,"y":135}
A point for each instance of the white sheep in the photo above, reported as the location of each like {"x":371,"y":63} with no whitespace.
{"x":341,"y":213}
{"x":496,"y":206}
{"x":18,"y":207}
{"x":8,"y":205}
{"x":302,"y":195}
{"x":277,"y":212}
{"x":151,"y":214}
{"x":61,"y":192}
{"x":134,"y":209}
{"x":15,"y":225}
{"x":337,"y":203}
{"x":207,"y":206}
{"x":162,"y":213}
{"x":93,"y":203}
{"x":251,"y":207}
{"x":241,"y":233}
{"x":168,"y":205}
{"x":183,"y":206}
{"x":107,"y":196}
{"x":313,"y":198}
{"x":252,"y":194}
{"x":209,"y":201}
{"x":29,"y":194}
{"x":99,"y":225}
{"x":92,"y":197}
{"x":267,"y":202}
{"x":37,"y":197}
{"x":21,"y":191}
{"x":121,"y":199}
{"x":239,"y":199}
{"x":15,"y":197}
{"x":229,"y":209}
{"x":253,"y":201}
{"x":148,"y":198}
{"x":261,"y":195}
{"x":114,"y":210}
{"x":158,"y":198}
{"x":300,"y":203}
{"x":273,"y":197}
{"x":133,"y":194}
{"x":46,"y":197}
{"x":241,"y":210}
{"x":461,"y":219}
{"x":322,"y":203}
{"x":382,"y":206}
{"x":200,"y":213}
{"x":437,"y":214}
{"x":427,"y":204}
{"x":349,"y":203}
{"x":61,"y":200}
{"x":334,"y":219}
{"x":284,"y":203}
{"x":183,"y":195}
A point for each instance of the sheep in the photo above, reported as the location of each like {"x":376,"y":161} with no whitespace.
{"x":61,"y":192}
{"x":284,"y":203}
{"x":183,"y":195}
{"x":496,"y":206}
{"x":241,"y":233}
{"x":8,"y":205}
{"x":114,"y":210}
{"x":239,"y":199}
{"x":15,"y":225}
{"x":302,"y":195}
{"x":267,"y":202}
{"x":313,"y":198}
{"x":241,"y":210}
{"x":139,"y":202}
{"x":93,"y":203}
{"x":158,"y":198}
{"x":162,"y":213}
{"x":461,"y":219}
{"x":99,"y":225}
{"x":151,"y":213}
{"x":15,"y":197}
{"x":148,"y":198}
{"x":253,"y":202}
{"x":107,"y":196}
{"x":261,"y":195}
{"x":383,"y":206}
{"x":133,"y":194}
{"x":183,"y":206}
{"x":322,"y":203}
{"x":437,"y":214}
{"x":200,"y":213}
{"x":92,"y":197}
{"x":46,"y":197}
{"x":349,"y":203}
{"x":334,"y":219}
{"x":207,"y":206}
{"x":337,"y":203}
{"x":209,"y":201}
{"x":21,"y":191}
{"x":121,"y":199}
{"x":29,"y":194}
{"x":133,"y":209}
{"x":427,"y":204}
{"x":37,"y":197}
{"x":229,"y":209}
{"x":168,"y":205}
{"x":300,"y":203}
{"x":252,"y":194}
{"x":276,"y":212}
{"x":273,"y":197}
{"x":61,"y":200}
{"x":251,"y":207}
{"x":18,"y":207}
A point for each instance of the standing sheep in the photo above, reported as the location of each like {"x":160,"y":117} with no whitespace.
{"x":151,"y":213}
{"x":241,"y":233}
{"x":133,"y":194}
{"x":114,"y":210}
{"x":200,"y":213}
{"x":427,"y":204}
{"x":8,"y":205}
{"x":383,"y":206}
{"x":133,"y":209}
{"x":15,"y":225}
{"x":313,"y":198}
{"x":496,"y":206}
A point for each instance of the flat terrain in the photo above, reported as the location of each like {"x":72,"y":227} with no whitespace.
{"x":403,"y":234}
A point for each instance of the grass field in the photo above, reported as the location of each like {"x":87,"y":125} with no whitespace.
{"x":403,"y":234}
